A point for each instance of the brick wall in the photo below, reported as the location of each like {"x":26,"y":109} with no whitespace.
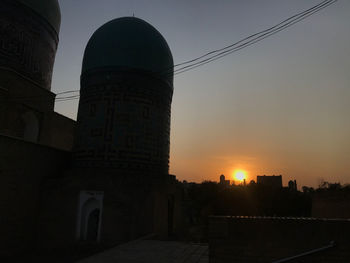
{"x":23,"y":165}
{"x":259,"y":239}
{"x":58,"y":131}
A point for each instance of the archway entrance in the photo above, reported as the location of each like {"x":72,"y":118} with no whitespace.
{"x":89,"y":216}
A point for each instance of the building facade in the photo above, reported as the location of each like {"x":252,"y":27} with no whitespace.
{"x":273,"y":181}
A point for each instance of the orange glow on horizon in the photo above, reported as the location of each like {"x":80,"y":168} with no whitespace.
{"x":240,"y":175}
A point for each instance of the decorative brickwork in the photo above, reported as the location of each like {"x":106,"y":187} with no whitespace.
{"x":124,"y":121}
{"x":28,"y":43}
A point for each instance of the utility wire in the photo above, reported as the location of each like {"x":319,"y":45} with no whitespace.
{"x":260,"y":36}
{"x":43,"y":97}
{"x":251,"y":42}
{"x":256,"y":34}
{"x":222,"y":52}
{"x":69,"y":91}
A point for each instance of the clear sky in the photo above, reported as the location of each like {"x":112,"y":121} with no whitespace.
{"x":281,"y":106}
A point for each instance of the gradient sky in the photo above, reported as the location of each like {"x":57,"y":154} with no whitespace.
{"x":281,"y":106}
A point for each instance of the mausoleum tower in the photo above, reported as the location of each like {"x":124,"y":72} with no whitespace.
{"x":29,"y":38}
{"x":125,"y":99}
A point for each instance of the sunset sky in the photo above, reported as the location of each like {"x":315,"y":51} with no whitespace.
{"x":281,"y":106}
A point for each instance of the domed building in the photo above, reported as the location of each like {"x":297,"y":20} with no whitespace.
{"x":104,"y":179}
{"x":29,"y":38}
{"x":129,"y":43}
{"x":35,"y":141}
{"x":125,"y":104}
{"x":123,"y":128}
{"x":120,"y":165}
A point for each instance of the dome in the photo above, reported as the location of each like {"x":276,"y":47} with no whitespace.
{"x":129,"y":43}
{"x":48,"y":9}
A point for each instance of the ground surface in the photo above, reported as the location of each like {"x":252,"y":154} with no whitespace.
{"x":152,"y":251}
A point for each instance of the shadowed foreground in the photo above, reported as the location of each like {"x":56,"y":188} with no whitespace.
{"x":149,"y":251}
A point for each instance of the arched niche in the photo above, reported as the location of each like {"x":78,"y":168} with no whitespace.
{"x":89,"y":216}
{"x":31,"y":126}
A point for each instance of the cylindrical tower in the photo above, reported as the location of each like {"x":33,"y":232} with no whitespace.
{"x":125,"y":99}
{"x":28,"y":43}
{"x":29,"y":38}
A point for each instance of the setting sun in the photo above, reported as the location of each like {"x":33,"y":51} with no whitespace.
{"x":239,"y":175}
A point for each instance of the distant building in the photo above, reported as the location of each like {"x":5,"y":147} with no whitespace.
{"x":252,"y":182}
{"x":292,"y":185}
{"x":223,"y":181}
{"x":274,"y":181}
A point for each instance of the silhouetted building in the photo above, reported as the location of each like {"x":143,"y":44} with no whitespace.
{"x":292,"y":185}
{"x":28,"y":42}
{"x":252,"y":182}
{"x":273,"y":181}
{"x":117,"y":186}
{"x":223,"y":181}
{"x":125,"y":99}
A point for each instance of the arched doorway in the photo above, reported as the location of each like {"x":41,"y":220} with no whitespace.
{"x":89,"y":221}
{"x":89,"y":216}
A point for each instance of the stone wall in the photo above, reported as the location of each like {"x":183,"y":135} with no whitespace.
{"x":20,"y":97}
{"x":58,"y":131}
{"x":332,"y":205}
{"x":23,"y":165}
{"x":266,"y":239}
{"x":39,"y":197}
{"x":132,"y":207}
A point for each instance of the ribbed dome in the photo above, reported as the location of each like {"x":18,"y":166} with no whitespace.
{"x":48,"y":9}
{"x":129,"y":43}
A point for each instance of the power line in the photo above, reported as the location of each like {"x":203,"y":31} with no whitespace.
{"x":69,"y":91}
{"x":43,"y":97}
{"x":296,"y":16}
{"x":258,"y":37}
{"x":222,"y":52}
{"x":250,"y":40}
{"x":68,"y":97}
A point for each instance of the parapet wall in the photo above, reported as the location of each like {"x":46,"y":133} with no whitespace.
{"x":268,"y":239}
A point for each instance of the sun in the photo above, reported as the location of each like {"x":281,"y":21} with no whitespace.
{"x":239,"y":175}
